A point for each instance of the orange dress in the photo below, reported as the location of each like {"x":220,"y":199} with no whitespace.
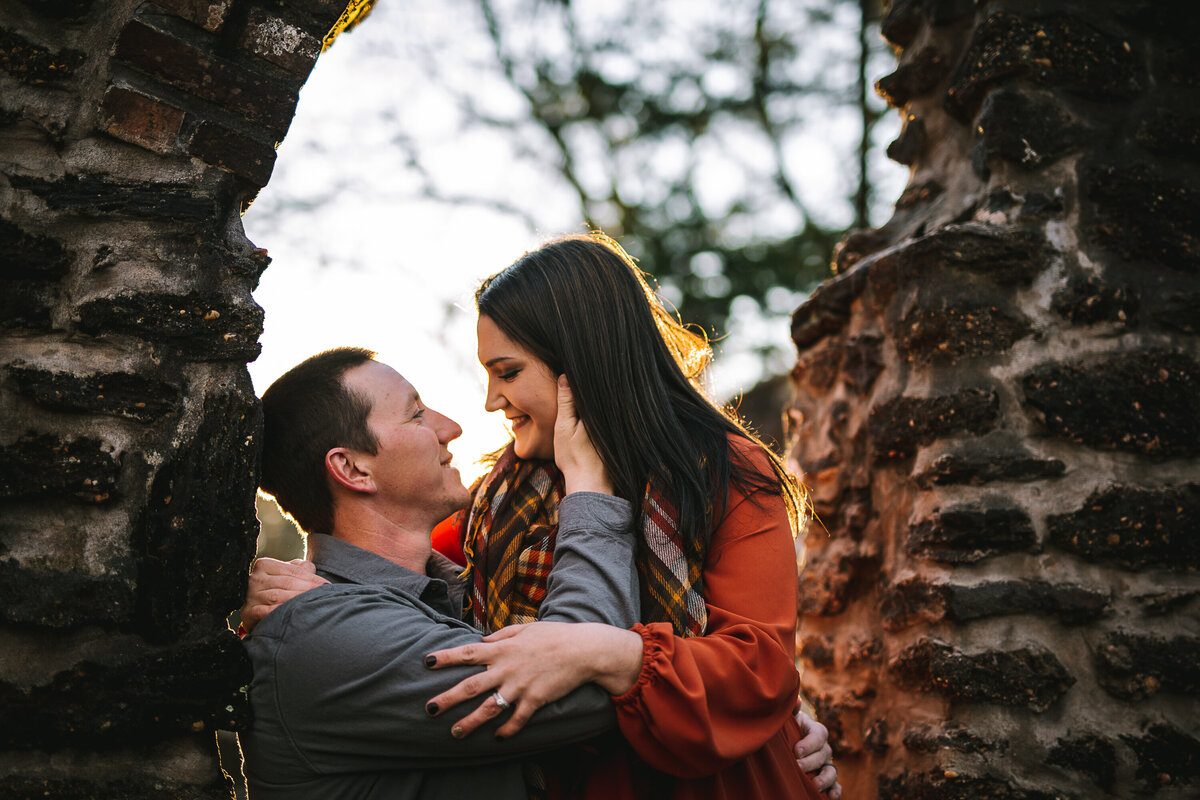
{"x":711,"y":716}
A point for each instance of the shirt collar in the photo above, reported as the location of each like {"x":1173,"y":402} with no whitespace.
{"x":343,"y":562}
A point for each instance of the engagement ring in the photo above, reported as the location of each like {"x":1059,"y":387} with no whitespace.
{"x":500,"y":701}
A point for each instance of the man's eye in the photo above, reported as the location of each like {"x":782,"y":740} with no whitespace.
{"x":420,"y":413}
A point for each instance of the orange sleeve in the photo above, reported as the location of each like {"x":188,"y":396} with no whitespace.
{"x":702,"y":703}
{"x":447,"y":538}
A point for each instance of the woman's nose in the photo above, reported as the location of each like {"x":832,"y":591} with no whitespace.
{"x":494,"y":400}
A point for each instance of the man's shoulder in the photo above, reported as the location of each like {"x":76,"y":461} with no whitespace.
{"x":337,"y":610}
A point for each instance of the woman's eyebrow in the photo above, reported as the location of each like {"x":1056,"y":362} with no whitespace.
{"x":489,"y":363}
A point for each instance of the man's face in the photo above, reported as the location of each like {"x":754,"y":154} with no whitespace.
{"x":411,"y":467}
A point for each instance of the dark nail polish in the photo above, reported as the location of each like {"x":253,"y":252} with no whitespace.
{"x":430,"y":661}
{"x":431,"y":709}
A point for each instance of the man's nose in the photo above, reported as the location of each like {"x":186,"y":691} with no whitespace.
{"x":447,"y":429}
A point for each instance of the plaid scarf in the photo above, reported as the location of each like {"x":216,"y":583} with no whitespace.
{"x":509,"y":544}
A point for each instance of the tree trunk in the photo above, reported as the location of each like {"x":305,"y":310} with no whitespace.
{"x":131,"y":135}
{"x":997,"y":410}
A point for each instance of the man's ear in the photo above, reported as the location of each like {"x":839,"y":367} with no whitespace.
{"x":346,"y":469}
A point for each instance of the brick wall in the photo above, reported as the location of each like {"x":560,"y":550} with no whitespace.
{"x":131,"y":136}
{"x":997,"y":409}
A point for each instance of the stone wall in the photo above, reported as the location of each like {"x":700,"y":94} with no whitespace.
{"x":131,"y":136}
{"x":997,"y":409}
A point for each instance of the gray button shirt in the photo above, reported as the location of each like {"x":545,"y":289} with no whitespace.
{"x":339,"y":690}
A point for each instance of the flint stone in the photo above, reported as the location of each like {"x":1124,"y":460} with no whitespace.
{"x":1135,"y":528}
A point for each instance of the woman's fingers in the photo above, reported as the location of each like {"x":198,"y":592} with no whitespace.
{"x":478,"y":684}
{"x":488,"y":710}
{"x":576,"y":457}
{"x":521,"y":714}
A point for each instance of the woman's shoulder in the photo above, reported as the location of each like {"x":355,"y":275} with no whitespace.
{"x":749,"y":456}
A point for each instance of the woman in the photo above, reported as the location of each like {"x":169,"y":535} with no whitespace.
{"x":709,"y":679}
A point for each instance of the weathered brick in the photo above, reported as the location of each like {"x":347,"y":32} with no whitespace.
{"x":1094,"y":756}
{"x":1171,"y":132}
{"x":1134,"y":527}
{"x":121,"y":394}
{"x":267,"y":101}
{"x":140,"y":696}
{"x":917,"y":75}
{"x":1006,"y":257}
{"x":1030,"y":678}
{"x":1089,"y":300}
{"x":93,"y":196}
{"x":902,"y":21}
{"x":1071,"y":604}
{"x":875,"y":738}
{"x":903,"y":18}
{"x":1175,"y":311}
{"x":977,"y":462}
{"x":34,"y":64}
{"x":1133,"y":666}
{"x":202,"y":326}
{"x":900,"y":425}
{"x":1062,"y":52}
{"x":1142,"y":402}
{"x":1023,"y":129}
{"x":817,"y":651}
{"x":198,"y":529}
{"x":65,"y":10}
{"x":282,"y":43}
{"x":919,"y":194}
{"x":969,"y":533}
{"x":938,"y":784}
{"x":944,"y":330}
{"x":49,"y":599}
{"x":862,"y":361}
{"x":47,"y":466}
{"x":930,"y":739}
{"x":243,"y":156}
{"x":26,"y":256}
{"x":156,"y":787}
{"x":140,"y":119}
{"x":918,"y":600}
{"x":1158,"y":604}
{"x":1142,"y":213}
{"x":208,"y":14}
{"x":910,"y":143}
{"x":1166,"y":756}
{"x":827,"y":308}
{"x":27,"y":305}
{"x":833,"y":579}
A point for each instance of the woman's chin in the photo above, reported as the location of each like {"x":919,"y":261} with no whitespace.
{"x":524,"y":448}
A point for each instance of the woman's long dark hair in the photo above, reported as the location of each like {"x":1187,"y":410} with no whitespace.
{"x":582,"y":306}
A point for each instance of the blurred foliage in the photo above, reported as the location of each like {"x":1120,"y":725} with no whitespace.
{"x":686,"y":130}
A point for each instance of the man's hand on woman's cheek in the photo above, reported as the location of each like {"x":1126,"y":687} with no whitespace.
{"x":273,"y":583}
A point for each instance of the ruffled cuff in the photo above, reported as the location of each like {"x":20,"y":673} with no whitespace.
{"x":653,"y":651}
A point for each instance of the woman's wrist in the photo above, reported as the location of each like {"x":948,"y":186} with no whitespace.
{"x":586,"y":481}
{"x":618,"y":659}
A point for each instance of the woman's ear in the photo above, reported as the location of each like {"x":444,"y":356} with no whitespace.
{"x":349,"y":471}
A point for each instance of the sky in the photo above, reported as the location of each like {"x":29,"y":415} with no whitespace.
{"x":361,"y":257}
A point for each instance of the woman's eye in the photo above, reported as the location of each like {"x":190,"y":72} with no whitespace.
{"x":508,"y":376}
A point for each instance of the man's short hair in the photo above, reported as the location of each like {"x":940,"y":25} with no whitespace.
{"x":307,"y":412}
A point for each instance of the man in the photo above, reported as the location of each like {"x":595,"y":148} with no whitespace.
{"x":340,"y":681}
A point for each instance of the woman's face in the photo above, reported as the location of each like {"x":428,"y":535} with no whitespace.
{"x":522,"y":386}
